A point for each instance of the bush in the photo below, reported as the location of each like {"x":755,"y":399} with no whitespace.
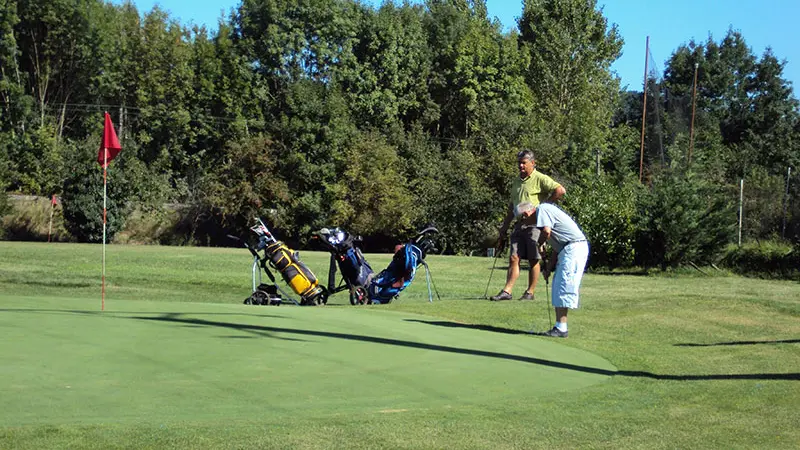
{"x":765,"y":259}
{"x":158,"y":227}
{"x":605,"y":210}
{"x":682,"y":219}
{"x":28,"y":219}
{"x":463,"y":205}
{"x":82,"y":196}
{"x":243,"y":186}
{"x":5,"y":209}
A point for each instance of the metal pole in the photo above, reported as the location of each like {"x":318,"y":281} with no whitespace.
{"x":52,"y":209}
{"x":741,"y":213}
{"x":785,"y":203}
{"x":597,"y":163}
{"x":105,"y":183}
{"x":644,"y":107}
{"x":691,"y":127}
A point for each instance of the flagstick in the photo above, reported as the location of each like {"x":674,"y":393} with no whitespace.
{"x":105,"y":166}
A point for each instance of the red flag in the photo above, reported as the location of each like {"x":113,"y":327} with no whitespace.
{"x":53,"y":201}
{"x":110,"y":143}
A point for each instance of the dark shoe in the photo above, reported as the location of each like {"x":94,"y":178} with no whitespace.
{"x":526,"y":296}
{"x":555,"y":332}
{"x":503,"y":295}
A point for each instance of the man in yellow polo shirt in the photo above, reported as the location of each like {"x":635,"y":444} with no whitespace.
{"x":534,"y":187}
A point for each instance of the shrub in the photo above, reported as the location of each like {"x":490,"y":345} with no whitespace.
{"x":5,"y":209}
{"x":605,"y":210}
{"x":82,"y":196}
{"x":682,"y":219}
{"x":243,"y":186}
{"x":29,"y":220}
{"x":148,"y":226}
{"x":765,"y":259}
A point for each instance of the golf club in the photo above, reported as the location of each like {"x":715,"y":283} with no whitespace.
{"x":494,"y":264}
{"x":547,"y":296}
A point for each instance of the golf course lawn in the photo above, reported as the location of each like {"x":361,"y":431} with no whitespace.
{"x":173,"y":359}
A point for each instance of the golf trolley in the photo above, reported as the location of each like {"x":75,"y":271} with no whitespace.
{"x":296,"y":274}
{"x":358,"y":277}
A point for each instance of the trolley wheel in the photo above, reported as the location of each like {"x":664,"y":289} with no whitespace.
{"x":358,"y":296}
{"x":258,"y":298}
{"x":322,"y":299}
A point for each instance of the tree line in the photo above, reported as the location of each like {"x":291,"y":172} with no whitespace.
{"x":315,"y":113}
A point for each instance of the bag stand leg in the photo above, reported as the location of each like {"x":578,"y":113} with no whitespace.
{"x":429,"y":280}
{"x":256,"y":271}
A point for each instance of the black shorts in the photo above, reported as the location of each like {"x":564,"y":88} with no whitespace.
{"x":525,"y":242}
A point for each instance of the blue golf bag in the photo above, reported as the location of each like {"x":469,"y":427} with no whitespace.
{"x":358,"y":277}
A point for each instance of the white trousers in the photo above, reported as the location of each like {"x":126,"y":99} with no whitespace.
{"x":568,"y":275}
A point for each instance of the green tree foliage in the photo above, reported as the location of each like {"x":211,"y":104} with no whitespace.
{"x":476,"y":68}
{"x":82,"y":197}
{"x":571,"y":48}
{"x":743,"y":98}
{"x":386,"y":83}
{"x":245,"y":185}
{"x":289,"y":40}
{"x":762,"y":212}
{"x":606,"y":211}
{"x":5,"y":206}
{"x":15,"y":104}
{"x":373,"y":195}
{"x":746,"y":123}
{"x":683,"y":218}
{"x":319,"y":113}
{"x":462,"y":203}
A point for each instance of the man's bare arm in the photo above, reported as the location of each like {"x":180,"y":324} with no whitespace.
{"x":558,"y":192}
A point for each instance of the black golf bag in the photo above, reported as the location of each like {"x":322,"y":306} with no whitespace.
{"x":287,"y":262}
{"x":364,"y":285}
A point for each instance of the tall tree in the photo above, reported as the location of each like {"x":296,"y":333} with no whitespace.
{"x":571,"y":48}
{"x":387,"y":83}
{"x":164,"y":87}
{"x":743,"y":98}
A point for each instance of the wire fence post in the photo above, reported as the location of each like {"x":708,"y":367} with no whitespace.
{"x":785,"y":203}
{"x":741,"y":197}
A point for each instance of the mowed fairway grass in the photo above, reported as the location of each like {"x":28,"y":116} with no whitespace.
{"x":176,"y":361}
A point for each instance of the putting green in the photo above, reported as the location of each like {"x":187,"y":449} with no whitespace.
{"x":64,"y":361}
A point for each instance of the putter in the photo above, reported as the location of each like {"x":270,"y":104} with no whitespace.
{"x":547,"y":298}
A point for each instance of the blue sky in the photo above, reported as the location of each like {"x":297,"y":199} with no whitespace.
{"x":669,"y":24}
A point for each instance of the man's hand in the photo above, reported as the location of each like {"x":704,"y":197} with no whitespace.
{"x":545,"y":266}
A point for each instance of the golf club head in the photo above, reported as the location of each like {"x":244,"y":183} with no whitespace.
{"x":265,"y":236}
{"x":240,"y":241}
{"x":428,"y":229}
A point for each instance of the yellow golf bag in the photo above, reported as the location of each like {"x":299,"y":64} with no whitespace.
{"x":287,"y":262}
{"x":294,"y":272}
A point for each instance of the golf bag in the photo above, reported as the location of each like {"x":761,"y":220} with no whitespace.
{"x":357,"y":275}
{"x":287,"y":262}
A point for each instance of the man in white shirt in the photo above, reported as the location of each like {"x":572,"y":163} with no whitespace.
{"x":570,"y":252}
